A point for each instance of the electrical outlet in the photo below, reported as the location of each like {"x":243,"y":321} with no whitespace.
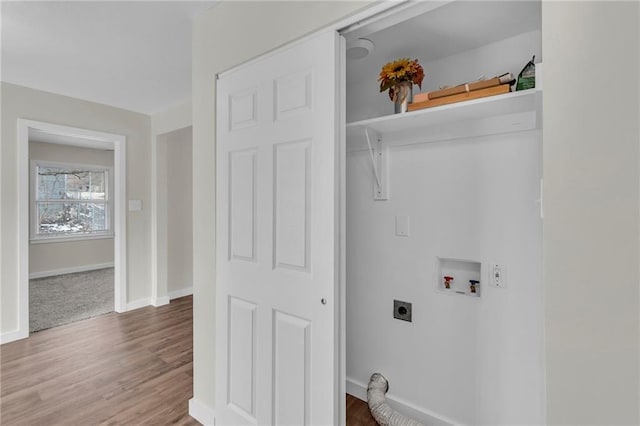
{"x":497,"y":275}
{"x":402,"y":310}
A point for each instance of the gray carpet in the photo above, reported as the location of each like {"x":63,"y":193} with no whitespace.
{"x":67,"y":298}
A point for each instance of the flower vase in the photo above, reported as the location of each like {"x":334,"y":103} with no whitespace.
{"x":403,"y":94}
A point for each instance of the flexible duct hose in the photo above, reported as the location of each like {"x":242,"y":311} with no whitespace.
{"x":380,"y":410}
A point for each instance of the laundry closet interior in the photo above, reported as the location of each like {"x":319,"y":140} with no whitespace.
{"x":453,"y":190}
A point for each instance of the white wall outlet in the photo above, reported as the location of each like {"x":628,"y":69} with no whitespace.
{"x":402,"y":226}
{"x":497,"y":275}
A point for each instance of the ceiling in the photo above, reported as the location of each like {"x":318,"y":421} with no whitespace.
{"x":132,"y":55}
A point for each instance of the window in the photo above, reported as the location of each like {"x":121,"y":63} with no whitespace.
{"x":70,"y":201}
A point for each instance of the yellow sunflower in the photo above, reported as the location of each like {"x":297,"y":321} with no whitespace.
{"x":403,"y":69}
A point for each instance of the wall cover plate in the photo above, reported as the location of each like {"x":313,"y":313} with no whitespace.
{"x":402,"y":310}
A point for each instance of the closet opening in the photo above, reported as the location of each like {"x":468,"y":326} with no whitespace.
{"x":450,"y":190}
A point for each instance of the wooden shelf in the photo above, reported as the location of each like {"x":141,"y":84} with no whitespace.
{"x":515,"y":111}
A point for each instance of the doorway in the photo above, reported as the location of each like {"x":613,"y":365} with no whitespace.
{"x":71,"y":275}
{"x":65,"y":135}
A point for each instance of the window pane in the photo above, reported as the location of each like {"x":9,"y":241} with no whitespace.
{"x":51,"y":184}
{"x":93,"y":186}
{"x":76,"y":183}
{"x":57,"y":218}
{"x":98,"y":187}
{"x":93,"y":217}
{"x":71,"y":218}
{"x":68,"y":183}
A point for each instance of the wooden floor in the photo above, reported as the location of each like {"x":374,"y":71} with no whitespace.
{"x":358,"y":413}
{"x":131,"y":368}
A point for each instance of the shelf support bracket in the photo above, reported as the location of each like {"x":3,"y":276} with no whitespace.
{"x":379,"y":165}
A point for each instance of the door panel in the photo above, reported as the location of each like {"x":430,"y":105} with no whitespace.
{"x":276,"y":238}
{"x":293,"y":95}
{"x":243,"y":109}
{"x":242,"y":355}
{"x":242,"y":205}
{"x":292,"y":202}
{"x":291,"y":384}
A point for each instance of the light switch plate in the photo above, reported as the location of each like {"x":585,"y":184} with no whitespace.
{"x":402,"y":226}
{"x":135,"y":205}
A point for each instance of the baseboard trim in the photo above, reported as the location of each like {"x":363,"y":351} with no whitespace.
{"x":359,"y":390}
{"x":12,"y":336}
{"x":187,"y":291}
{"x":70,"y":270}
{"x":201,"y":412}
{"x":160,"y":301}
{"x":137,"y":304}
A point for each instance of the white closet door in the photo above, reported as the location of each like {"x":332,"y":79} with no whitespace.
{"x":276,"y":279}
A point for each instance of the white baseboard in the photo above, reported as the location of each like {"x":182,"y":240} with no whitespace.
{"x":187,"y":291}
{"x":12,"y":336}
{"x":427,"y":417}
{"x":357,"y":389}
{"x":201,"y":412}
{"x":160,"y":301}
{"x":70,"y":270}
{"x":137,"y":304}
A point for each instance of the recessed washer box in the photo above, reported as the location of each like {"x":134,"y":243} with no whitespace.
{"x":462,"y":273}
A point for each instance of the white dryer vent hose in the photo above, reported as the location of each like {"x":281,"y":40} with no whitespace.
{"x":380,"y":410}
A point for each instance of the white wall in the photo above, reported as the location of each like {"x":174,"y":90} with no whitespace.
{"x":218,"y":44}
{"x":469,"y":360}
{"x":50,"y":257}
{"x":179,"y":209}
{"x":591,"y":157}
{"x":174,"y":118}
{"x":21,"y":102}
{"x":590,"y":162}
{"x":163,"y":123}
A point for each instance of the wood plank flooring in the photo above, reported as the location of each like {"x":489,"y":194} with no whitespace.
{"x":358,"y":413}
{"x":131,"y":368}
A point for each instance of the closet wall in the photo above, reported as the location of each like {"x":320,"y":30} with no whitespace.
{"x":470,"y":186}
{"x":464,"y":359}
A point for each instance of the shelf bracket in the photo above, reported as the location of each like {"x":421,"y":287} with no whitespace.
{"x":379,"y":165}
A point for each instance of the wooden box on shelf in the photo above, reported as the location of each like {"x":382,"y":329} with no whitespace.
{"x":461,"y":97}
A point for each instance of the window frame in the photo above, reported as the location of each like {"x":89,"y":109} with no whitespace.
{"x":35,"y":237}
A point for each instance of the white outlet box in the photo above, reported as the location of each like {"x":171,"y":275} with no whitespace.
{"x":497,"y":275}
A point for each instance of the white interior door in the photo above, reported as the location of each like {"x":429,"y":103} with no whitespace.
{"x":276,"y":279}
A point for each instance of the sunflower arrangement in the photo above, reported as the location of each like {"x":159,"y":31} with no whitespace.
{"x":399,"y":71}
